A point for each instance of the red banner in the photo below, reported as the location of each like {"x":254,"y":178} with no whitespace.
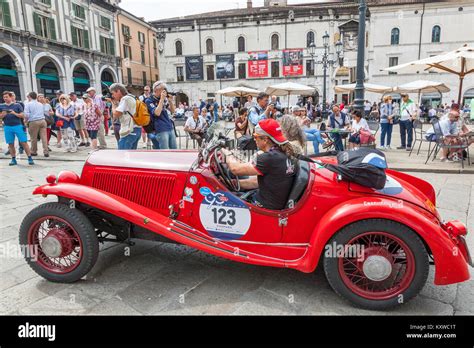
{"x":293,"y":62}
{"x":258,"y":64}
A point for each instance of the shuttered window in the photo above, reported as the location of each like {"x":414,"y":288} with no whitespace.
{"x":79,"y":11}
{"x":107,"y":45}
{"x":80,"y":37}
{"x":5,"y":15}
{"x":44,"y":26}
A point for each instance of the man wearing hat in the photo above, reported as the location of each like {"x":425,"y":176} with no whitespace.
{"x":272,"y":169}
{"x":97,"y":100}
{"x":408,"y":113}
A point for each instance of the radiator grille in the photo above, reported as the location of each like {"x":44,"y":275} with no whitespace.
{"x":151,"y":191}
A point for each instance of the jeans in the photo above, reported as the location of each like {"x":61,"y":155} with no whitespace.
{"x":386,"y":131}
{"x":216,"y":117}
{"x":338,"y":145}
{"x":130,"y":142}
{"x":314,"y":136}
{"x":154,"y":140}
{"x":167,"y":140}
{"x":406,"y":129}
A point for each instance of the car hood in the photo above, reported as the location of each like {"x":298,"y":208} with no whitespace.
{"x":172,"y":160}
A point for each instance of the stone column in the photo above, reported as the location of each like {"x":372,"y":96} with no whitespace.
{"x":26,"y":78}
{"x":98,"y":78}
{"x":67,"y":85}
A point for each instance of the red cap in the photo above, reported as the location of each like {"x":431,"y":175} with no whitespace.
{"x":271,"y":129}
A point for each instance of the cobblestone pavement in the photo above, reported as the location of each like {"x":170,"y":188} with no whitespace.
{"x":174,"y":279}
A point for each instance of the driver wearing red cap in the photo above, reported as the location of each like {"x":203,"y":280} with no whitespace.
{"x":273,"y":172}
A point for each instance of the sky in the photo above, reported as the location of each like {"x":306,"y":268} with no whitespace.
{"x":159,"y":9}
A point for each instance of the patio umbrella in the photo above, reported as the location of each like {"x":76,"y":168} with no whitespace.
{"x":289,"y":88}
{"x":238,"y":91}
{"x":422,"y":86}
{"x":369,"y":87}
{"x":459,"y":62}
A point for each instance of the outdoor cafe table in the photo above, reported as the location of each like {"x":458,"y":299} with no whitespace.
{"x":338,"y":131}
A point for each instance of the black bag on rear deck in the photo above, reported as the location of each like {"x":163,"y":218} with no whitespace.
{"x":363,"y":166}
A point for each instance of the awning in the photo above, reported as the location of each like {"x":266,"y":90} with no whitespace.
{"x":8,"y":72}
{"x":47,"y":77}
{"x":107,"y":83}
{"x":81,"y":81}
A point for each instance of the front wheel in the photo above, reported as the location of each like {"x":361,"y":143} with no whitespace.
{"x":59,"y":243}
{"x":376,"y":264}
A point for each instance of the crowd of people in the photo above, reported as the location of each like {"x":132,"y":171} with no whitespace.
{"x":83,"y":121}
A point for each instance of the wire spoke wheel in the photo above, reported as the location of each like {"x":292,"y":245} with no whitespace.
{"x":57,"y":243}
{"x":385,"y":267}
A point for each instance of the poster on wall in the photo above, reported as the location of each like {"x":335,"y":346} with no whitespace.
{"x":258,"y":64}
{"x":293,"y":62}
{"x":194,"y":68}
{"x":225,"y":66}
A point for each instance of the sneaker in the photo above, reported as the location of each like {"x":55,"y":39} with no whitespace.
{"x":382,"y":148}
{"x":388,"y":147}
{"x":88,"y":144}
{"x":7,"y":153}
{"x":13,"y":162}
{"x":34,"y":154}
{"x":58,"y":145}
{"x":401,"y":148}
{"x":30,"y":161}
{"x":46,"y":155}
{"x":49,"y":149}
{"x":82,"y":144}
{"x":408,"y":148}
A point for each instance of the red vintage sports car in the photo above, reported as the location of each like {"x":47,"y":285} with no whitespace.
{"x":375,"y":245}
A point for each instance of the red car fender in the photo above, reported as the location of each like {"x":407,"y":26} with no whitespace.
{"x":154,"y":222}
{"x":450,"y":267}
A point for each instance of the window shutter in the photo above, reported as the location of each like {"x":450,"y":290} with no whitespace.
{"x":74,"y":36}
{"x":52,"y":29}
{"x":102,"y":48}
{"x":7,"y":18}
{"x":86,"y":39}
{"x":112,"y":47}
{"x":37,"y":22}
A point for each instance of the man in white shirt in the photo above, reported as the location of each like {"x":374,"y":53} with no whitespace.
{"x":408,"y":113}
{"x":80,"y":122}
{"x":195,"y":126}
{"x":367,"y":108}
{"x":125,"y":109}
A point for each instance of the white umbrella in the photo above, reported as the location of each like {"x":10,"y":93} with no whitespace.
{"x":369,"y":87}
{"x":422,"y":86}
{"x":289,"y":88}
{"x":238,"y":91}
{"x":459,"y":62}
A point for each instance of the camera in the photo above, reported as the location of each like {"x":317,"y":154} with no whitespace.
{"x":173,"y":94}
{"x":106,"y":96}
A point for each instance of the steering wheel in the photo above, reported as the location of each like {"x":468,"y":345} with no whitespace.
{"x":230,"y":179}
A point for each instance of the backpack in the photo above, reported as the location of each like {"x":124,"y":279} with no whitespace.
{"x":363,"y":166}
{"x":142,"y":116}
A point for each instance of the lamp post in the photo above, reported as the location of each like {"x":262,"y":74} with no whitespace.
{"x":359,"y":88}
{"x":326,"y":61}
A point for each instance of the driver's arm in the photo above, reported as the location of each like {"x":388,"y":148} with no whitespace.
{"x":249,"y":184}
{"x":239,"y":168}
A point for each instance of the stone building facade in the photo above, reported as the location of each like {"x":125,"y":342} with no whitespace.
{"x":277,"y":27}
{"x":47,"y":45}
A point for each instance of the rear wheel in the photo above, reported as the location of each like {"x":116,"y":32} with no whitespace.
{"x":59,"y":243}
{"x":377,"y":264}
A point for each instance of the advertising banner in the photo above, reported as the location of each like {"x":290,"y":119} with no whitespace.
{"x":194,"y":68}
{"x":225,"y":66}
{"x":258,"y":64}
{"x":293,"y":62}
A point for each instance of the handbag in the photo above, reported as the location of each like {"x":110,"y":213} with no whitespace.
{"x":366,"y":137}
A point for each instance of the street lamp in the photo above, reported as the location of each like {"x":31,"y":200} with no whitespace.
{"x":359,"y":88}
{"x":327,"y":61}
